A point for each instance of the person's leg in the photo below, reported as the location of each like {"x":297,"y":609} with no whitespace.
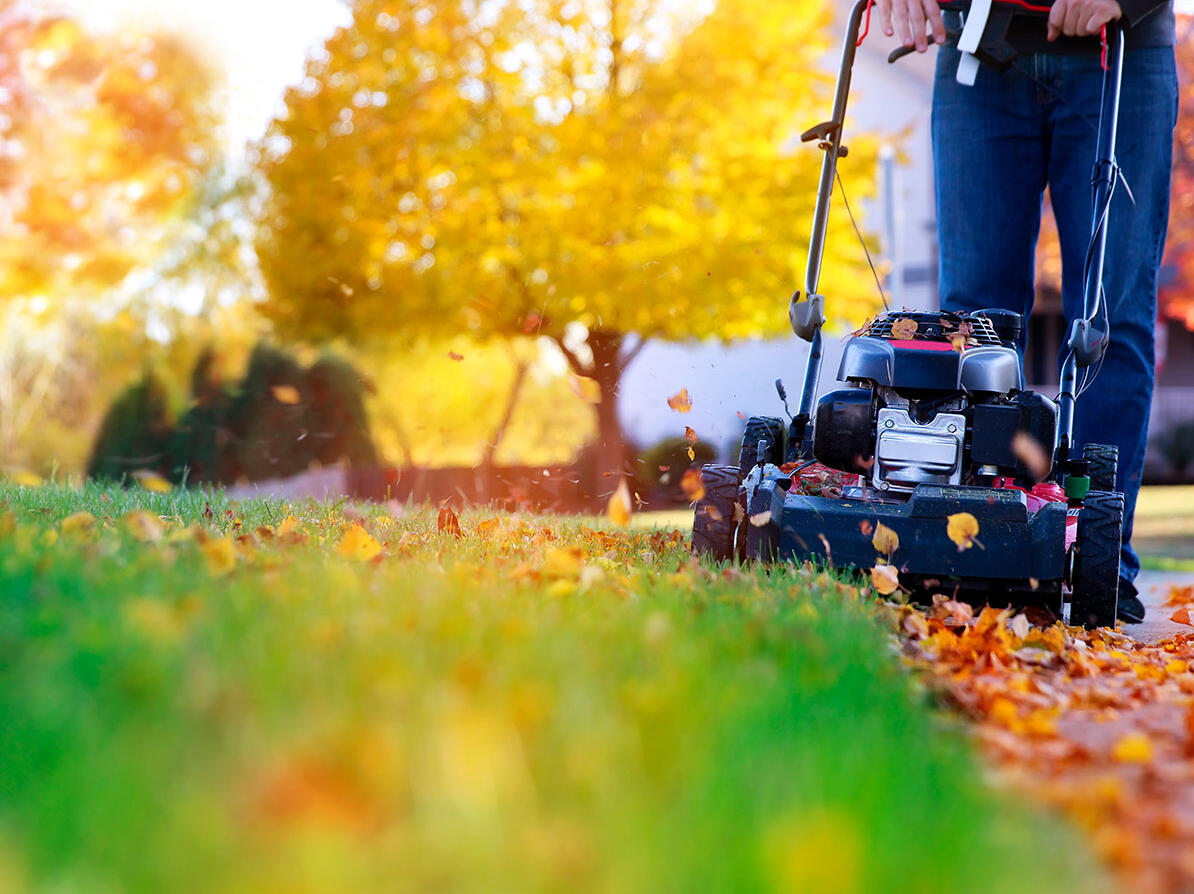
{"x":1115,"y":408}
{"x":989,"y":160}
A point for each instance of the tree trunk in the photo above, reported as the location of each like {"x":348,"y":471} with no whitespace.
{"x":609,"y":451}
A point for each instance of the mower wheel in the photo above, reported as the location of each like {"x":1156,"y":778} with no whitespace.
{"x":761,"y":428}
{"x":1104,"y":462}
{"x":715,"y":521}
{"x":1096,"y":560}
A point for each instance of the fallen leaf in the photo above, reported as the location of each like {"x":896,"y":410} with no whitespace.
{"x":143,"y":526}
{"x":1133,"y":748}
{"x":904,"y":328}
{"x":286,"y":394}
{"x":1182,"y":616}
{"x":618,"y":508}
{"x":220,"y":553}
{"x":1020,"y":625}
{"x":962,"y":528}
{"x":689,"y":435}
{"x":77,"y":523}
{"x":358,"y":544}
{"x":290,"y":525}
{"x":447,"y":521}
{"x":691,"y":484}
{"x":25,"y":479}
{"x":562,"y":562}
{"x":885,"y":540}
{"x":680,"y":402}
{"x":885,"y":579}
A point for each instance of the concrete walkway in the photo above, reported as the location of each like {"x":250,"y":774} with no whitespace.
{"x":1154,"y":589}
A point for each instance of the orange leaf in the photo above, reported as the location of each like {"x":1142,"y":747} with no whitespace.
{"x":586,"y":389}
{"x":689,"y":435}
{"x":452,"y":355}
{"x":1029,"y":451}
{"x":904,"y":328}
{"x":1134,"y":748}
{"x":447,"y":521}
{"x":1182,"y":616}
{"x":618,"y":508}
{"x":680,"y":402}
{"x":692,"y":485}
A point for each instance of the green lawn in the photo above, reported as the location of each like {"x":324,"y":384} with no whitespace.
{"x":1164,"y":530}
{"x":536,"y":707}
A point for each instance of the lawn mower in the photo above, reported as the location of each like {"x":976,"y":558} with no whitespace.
{"x":934,"y":436}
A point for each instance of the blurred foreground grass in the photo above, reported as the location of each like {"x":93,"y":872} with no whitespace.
{"x":540,"y":705}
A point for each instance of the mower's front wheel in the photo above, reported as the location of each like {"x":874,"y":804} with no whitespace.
{"x":1096,"y":560}
{"x":771,"y":431}
{"x":717,"y":514}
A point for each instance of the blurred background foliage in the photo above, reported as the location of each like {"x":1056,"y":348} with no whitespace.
{"x":486,"y":208}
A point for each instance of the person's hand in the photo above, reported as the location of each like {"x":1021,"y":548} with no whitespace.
{"x":1080,"y":18}
{"x":909,"y":16}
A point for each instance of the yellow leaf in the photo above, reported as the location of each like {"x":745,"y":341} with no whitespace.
{"x":586,"y":389}
{"x":78,"y":523}
{"x":618,"y":508}
{"x":561,"y":588}
{"x":1134,"y":748}
{"x":691,"y":454}
{"x":25,"y":479}
{"x":885,"y":540}
{"x":145,"y":527}
{"x":885,"y":579}
{"x":153,"y":482}
{"x":680,"y":402}
{"x":358,"y":544}
{"x":220,"y":553}
{"x":290,"y":525}
{"x":962,"y":528}
{"x":286,"y":394}
{"x":904,"y":328}
{"x":563,"y":562}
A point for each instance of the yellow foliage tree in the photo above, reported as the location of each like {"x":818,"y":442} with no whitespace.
{"x":102,"y":140}
{"x":617,"y":170}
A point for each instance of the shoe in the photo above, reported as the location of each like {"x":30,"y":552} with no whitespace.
{"x":1129,"y":608}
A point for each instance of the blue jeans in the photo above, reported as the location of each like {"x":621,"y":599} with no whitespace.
{"x":996,"y":145}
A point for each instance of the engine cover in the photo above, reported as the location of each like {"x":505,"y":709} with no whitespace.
{"x":908,"y":453}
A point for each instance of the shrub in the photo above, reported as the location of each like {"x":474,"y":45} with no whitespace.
{"x":135,"y":433}
{"x":1177,"y":446}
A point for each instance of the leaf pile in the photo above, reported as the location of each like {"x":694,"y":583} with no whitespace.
{"x":1091,"y":722}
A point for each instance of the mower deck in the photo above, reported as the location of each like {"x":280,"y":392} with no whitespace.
{"x":1013,"y":544}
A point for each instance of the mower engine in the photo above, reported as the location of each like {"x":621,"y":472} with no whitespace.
{"x":936,"y":398}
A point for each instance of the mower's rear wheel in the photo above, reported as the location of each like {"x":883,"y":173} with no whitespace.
{"x":761,"y":428}
{"x":1096,"y":560}
{"x":715,"y":520}
{"x":1104,"y":463}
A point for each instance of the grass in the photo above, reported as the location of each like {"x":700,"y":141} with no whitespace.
{"x":1164,"y":528}
{"x":543,"y":705}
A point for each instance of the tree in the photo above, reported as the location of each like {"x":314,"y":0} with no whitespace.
{"x":102,"y":141}
{"x":601,"y":172}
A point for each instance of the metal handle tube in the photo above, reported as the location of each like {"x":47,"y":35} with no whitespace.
{"x":832,"y":147}
{"x":1104,"y":182}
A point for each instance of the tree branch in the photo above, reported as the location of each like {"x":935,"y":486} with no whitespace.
{"x":626,"y":359}
{"x":573,"y":361}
